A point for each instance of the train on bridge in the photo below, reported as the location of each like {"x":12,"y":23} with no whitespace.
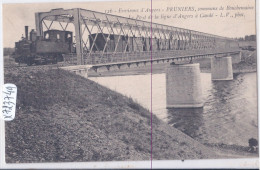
{"x":43,"y":50}
{"x":55,"y":43}
{"x":125,"y":39}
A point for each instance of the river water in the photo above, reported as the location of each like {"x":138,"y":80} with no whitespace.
{"x":229,"y":115}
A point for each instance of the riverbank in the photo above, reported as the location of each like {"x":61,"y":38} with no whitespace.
{"x":62,"y":117}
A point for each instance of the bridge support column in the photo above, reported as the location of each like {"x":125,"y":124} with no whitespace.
{"x":221,"y":68}
{"x":236,"y":58}
{"x":183,"y":86}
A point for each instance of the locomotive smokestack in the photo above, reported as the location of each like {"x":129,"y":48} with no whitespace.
{"x":26,"y":32}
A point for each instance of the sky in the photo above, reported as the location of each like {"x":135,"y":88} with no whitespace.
{"x":16,"y":16}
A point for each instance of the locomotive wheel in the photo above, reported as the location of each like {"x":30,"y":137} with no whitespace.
{"x":38,"y":63}
{"x":54,"y":61}
{"x":29,"y":63}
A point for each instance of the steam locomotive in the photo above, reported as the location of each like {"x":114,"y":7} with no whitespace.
{"x":43,"y":50}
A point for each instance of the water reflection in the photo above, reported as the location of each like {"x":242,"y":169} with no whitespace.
{"x":187,"y":120}
{"x":229,"y":114}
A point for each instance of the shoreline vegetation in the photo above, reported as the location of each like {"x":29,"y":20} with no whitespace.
{"x":63,"y":117}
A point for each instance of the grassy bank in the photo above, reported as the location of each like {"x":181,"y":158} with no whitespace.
{"x":63,"y":117}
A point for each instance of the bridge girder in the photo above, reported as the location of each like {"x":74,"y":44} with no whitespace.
{"x":93,"y":23}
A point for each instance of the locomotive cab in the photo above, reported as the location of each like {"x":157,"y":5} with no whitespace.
{"x":43,"y":50}
{"x":58,"y":36}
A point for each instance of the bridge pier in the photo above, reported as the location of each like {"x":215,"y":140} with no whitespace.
{"x":183,"y":86}
{"x":221,"y":68}
{"x":236,"y":58}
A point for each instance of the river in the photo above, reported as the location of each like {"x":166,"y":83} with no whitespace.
{"x":229,"y":115}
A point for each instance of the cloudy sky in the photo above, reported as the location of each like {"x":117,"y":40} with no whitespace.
{"x":16,"y":16}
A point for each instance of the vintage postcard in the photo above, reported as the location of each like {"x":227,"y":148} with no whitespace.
{"x":111,"y":81}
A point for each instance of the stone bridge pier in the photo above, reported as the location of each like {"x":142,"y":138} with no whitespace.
{"x":183,"y":82}
{"x":221,"y":68}
{"x":236,"y":58}
{"x":183,"y":86}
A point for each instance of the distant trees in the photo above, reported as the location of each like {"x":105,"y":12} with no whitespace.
{"x":250,"y":38}
{"x":247,"y":38}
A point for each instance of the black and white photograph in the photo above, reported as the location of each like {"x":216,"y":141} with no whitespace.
{"x":112,"y":81}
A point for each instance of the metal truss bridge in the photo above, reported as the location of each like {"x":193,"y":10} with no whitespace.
{"x":105,"y":40}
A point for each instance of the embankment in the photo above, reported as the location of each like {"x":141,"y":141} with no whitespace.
{"x":62,"y":117}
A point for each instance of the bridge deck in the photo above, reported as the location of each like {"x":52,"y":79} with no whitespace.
{"x":125,"y":58}
{"x":190,"y":57}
